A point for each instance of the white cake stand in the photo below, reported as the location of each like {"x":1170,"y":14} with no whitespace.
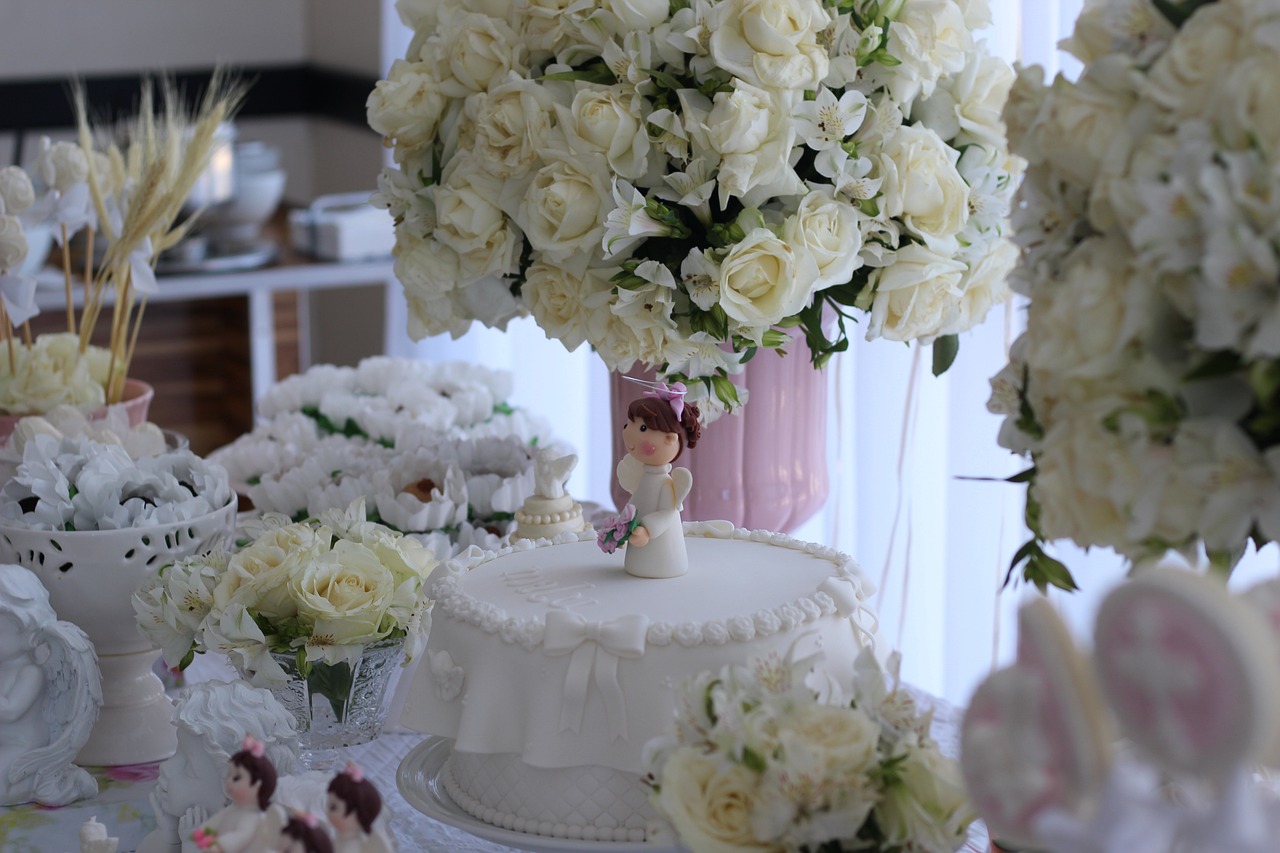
{"x":420,"y":784}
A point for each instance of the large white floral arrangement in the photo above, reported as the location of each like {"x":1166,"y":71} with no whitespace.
{"x":762,"y":759}
{"x":433,"y":449}
{"x":79,"y":483}
{"x":1146,"y":388}
{"x":670,"y":182}
{"x":320,"y":590}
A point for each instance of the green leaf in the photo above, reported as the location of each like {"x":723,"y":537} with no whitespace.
{"x":1178,"y":13}
{"x":709,"y":704}
{"x":752,"y":760}
{"x":945,"y":349}
{"x":503,"y":409}
{"x":1222,"y":363}
{"x":301,"y":662}
{"x":1044,"y":571}
{"x":595,"y":72}
{"x":1026,"y":476}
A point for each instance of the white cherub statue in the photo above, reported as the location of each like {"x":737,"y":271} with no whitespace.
{"x":50,"y":693}
{"x":213,"y":718}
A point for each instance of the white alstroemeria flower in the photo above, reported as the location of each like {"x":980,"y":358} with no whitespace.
{"x":701,"y":354}
{"x":1239,"y":273}
{"x":630,"y":62}
{"x":850,"y":176}
{"x":629,"y":223}
{"x":692,"y":189}
{"x":701,"y":276}
{"x":1168,"y":233}
{"x":235,"y":634}
{"x":825,"y":122}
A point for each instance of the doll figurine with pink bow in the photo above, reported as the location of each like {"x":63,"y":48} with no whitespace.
{"x":659,"y":426}
{"x":352,"y":804}
{"x":241,"y":827}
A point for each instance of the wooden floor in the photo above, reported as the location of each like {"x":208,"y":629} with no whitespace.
{"x":196,"y":354}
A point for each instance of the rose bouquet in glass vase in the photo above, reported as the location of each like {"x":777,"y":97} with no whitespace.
{"x":1146,"y":388}
{"x":319,"y":611}
{"x":676,"y":184}
{"x":122,"y":187}
{"x":761,"y":757}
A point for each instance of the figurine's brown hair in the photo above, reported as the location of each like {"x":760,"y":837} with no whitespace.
{"x":260,"y":770}
{"x":360,"y":797}
{"x":313,"y":838}
{"x":658,"y":414}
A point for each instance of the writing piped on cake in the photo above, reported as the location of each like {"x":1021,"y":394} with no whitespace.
{"x":550,"y":510}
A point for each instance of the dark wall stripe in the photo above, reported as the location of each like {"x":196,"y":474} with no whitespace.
{"x":275,"y":91}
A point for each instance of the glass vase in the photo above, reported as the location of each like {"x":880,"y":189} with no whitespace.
{"x":338,"y":705}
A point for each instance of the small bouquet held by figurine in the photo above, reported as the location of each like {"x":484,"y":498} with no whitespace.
{"x":660,"y":425}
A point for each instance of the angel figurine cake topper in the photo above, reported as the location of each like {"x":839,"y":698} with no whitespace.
{"x":659,"y":426}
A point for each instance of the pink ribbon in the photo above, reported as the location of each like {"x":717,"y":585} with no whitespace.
{"x":672,"y":394}
{"x":353,"y":770}
{"x":253,"y":746}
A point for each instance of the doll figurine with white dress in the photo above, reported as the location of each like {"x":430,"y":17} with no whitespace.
{"x":352,"y":805}
{"x":50,"y":693}
{"x":241,"y":827}
{"x":660,"y":425}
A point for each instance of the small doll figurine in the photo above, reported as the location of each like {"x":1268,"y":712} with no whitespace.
{"x":50,"y":692}
{"x":304,"y":834}
{"x":240,"y":827}
{"x":660,"y":425}
{"x":352,"y":805}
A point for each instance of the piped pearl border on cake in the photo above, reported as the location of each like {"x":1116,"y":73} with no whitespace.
{"x":842,"y":594}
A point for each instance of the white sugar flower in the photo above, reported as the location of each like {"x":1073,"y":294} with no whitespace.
{"x":629,"y":222}
{"x":825,"y":122}
{"x":701,"y":276}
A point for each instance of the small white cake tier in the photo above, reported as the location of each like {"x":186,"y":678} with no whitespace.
{"x":547,"y":518}
{"x":549,"y":656}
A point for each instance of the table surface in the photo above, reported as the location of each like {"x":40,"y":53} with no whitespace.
{"x":122,"y":803}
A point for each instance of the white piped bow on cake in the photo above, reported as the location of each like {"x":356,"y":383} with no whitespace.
{"x":596,"y":647}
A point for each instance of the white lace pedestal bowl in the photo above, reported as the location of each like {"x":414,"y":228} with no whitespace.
{"x":91,"y":576}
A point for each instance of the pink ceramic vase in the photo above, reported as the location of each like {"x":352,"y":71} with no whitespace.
{"x":766,"y":466}
{"x":136,"y":402}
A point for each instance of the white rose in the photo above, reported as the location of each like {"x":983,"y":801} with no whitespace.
{"x":435,"y":314}
{"x":709,"y":801}
{"x":258,"y":575}
{"x":1243,"y":102}
{"x":62,"y":165}
{"x":609,"y":120}
{"x":1076,"y":125}
{"x":1185,"y":77}
{"x":16,"y":192}
{"x":511,"y":125}
{"x":564,"y":297}
{"x":13,"y":243}
{"x":930,"y":39}
{"x":843,"y":738}
{"x":916,"y":296}
{"x":977,"y":13}
{"x":543,"y":24}
{"x":764,"y":279}
{"x":750,"y":131}
{"x":426,"y":268}
{"x":928,"y":809}
{"x":406,"y":107}
{"x":637,"y":15}
{"x":986,"y":285}
{"x":770,"y":43}
{"x":827,"y":228}
{"x":970,"y":103}
{"x":469,"y":221}
{"x":565,"y":206}
{"x":478,"y":52}
{"x":923,"y":187}
{"x":345,"y":594}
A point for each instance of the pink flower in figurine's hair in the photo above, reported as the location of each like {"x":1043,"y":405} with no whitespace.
{"x":353,"y":770}
{"x":617,"y":529}
{"x":253,"y":746}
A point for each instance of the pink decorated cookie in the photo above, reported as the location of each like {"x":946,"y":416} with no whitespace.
{"x":1035,"y":736}
{"x":1189,"y":671}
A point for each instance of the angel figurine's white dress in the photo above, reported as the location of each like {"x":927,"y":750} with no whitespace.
{"x":658,"y":493}
{"x":50,"y":692}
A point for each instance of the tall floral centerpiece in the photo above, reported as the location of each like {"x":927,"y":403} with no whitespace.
{"x":124,"y":187}
{"x":1146,"y":388}
{"x":683,"y":184}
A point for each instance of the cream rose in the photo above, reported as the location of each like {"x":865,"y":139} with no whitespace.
{"x":930,"y":39}
{"x":49,"y":374}
{"x":923,"y":186}
{"x":969,"y":104}
{"x":1074,"y":128}
{"x":764,"y":279}
{"x":16,"y":192}
{"x":750,"y":131}
{"x":1185,"y":77}
{"x":511,"y":125}
{"x":610,"y":120}
{"x":709,"y":802}
{"x":258,"y":575}
{"x":564,"y":298}
{"x":469,"y":221}
{"x":929,"y":809}
{"x":1244,"y":102}
{"x":564,"y":208}
{"x":13,"y":243}
{"x":637,"y":15}
{"x":407,"y":105}
{"x":345,"y":594}
{"x":826,"y":228}
{"x":426,"y":267}
{"x":478,"y":52}
{"x":986,"y":285}
{"x":770,"y":43}
{"x":842,"y":738}
{"x":915,"y":296}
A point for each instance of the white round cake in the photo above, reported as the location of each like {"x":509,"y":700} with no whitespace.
{"x":550,"y":667}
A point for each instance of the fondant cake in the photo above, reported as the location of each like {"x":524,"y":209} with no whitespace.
{"x":550,"y":667}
